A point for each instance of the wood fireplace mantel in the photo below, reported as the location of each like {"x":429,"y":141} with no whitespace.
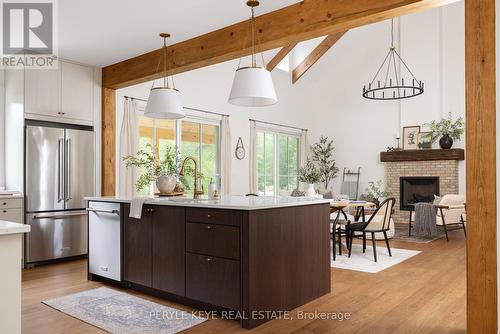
{"x":423,"y":155}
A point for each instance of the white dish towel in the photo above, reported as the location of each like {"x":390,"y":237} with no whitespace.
{"x":136,"y":206}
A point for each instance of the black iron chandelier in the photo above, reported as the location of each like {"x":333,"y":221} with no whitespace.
{"x":389,"y":83}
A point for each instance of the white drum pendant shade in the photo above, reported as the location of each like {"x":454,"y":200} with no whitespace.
{"x":253,"y":87}
{"x":164,"y":103}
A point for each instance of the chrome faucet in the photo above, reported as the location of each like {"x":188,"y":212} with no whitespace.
{"x":197,"y":193}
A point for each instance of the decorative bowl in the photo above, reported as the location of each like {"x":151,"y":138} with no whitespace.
{"x":166,"y":184}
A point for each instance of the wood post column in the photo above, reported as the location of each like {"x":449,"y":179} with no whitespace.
{"x":108,"y":141}
{"x":481,"y":166}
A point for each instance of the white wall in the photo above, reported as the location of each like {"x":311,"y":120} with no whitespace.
{"x":432,"y":44}
{"x":208,"y":88}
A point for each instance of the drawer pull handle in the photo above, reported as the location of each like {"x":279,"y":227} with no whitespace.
{"x":209,"y":216}
{"x":209,"y":260}
{"x":209,"y":227}
{"x":4,"y":211}
{"x":4,"y":203}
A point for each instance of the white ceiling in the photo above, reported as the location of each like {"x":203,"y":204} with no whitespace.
{"x":103,"y":32}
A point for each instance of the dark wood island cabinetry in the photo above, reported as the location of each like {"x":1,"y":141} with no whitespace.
{"x":272,"y":259}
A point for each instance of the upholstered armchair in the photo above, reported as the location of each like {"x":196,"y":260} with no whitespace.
{"x":450,"y":214}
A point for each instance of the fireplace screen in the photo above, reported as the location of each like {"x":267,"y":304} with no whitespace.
{"x":417,"y":190}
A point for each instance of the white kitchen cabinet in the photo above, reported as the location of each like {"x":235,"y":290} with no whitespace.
{"x":42,"y":90}
{"x":77,"y":91}
{"x":11,"y":209}
{"x":63,"y":95}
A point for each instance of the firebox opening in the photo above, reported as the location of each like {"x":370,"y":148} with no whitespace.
{"x":417,"y":190}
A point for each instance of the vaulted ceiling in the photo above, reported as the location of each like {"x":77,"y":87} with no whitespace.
{"x":101,"y":33}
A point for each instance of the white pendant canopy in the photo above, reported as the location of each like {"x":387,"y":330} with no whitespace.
{"x":164,"y":103}
{"x":253,"y":87}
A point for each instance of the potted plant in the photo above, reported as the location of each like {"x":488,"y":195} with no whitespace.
{"x":376,"y":192}
{"x":322,"y":155}
{"x":446,"y":130}
{"x":309,"y":174}
{"x":164,"y":171}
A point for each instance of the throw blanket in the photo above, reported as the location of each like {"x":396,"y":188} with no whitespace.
{"x":425,"y":220}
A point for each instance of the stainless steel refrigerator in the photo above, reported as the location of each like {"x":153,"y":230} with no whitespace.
{"x":59,"y":173}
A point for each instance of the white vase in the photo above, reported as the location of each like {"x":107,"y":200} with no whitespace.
{"x":166,"y":184}
{"x":310,"y":190}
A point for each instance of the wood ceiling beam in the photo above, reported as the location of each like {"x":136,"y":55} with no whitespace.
{"x":315,"y":55}
{"x":302,"y":21}
{"x":280,"y":55}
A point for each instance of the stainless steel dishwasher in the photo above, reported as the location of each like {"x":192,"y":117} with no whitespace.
{"x":105,"y":240}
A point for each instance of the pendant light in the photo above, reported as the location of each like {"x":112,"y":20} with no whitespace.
{"x":164,"y":102}
{"x":253,"y":86}
{"x":389,"y":82}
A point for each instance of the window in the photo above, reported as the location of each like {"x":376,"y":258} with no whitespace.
{"x":193,"y":137}
{"x":201,"y":141}
{"x":277,"y":162}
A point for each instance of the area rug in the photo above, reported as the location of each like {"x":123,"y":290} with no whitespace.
{"x":364,"y":262}
{"x":401,"y":234}
{"x":118,"y":312}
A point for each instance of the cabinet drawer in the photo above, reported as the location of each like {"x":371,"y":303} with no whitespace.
{"x":213,"y":216}
{"x":11,"y":203}
{"x":213,"y":280}
{"x":11,"y":215}
{"x":213,"y":239}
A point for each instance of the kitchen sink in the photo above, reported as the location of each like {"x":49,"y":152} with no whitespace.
{"x":188,"y":200}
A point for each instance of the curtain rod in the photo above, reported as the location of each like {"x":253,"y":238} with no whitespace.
{"x":186,"y":108}
{"x":276,"y":124}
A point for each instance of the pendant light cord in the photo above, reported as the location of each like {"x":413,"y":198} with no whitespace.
{"x":165,"y":79}
{"x":392,"y":33}
{"x":254,"y":61}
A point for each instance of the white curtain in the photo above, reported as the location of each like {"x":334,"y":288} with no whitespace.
{"x":226,"y":155}
{"x":304,"y":148}
{"x":129,"y":143}
{"x":253,"y":157}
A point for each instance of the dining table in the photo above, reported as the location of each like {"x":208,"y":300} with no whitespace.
{"x":340,"y":208}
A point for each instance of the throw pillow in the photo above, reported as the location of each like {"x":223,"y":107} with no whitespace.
{"x":437,"y":200}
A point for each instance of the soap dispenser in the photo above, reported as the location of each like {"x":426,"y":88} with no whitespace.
{"x":211,"y":189}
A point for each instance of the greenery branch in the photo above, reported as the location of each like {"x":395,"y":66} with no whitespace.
{"x":446,"y":127}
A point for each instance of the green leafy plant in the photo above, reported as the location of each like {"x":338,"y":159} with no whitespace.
{"x":376,"y":190}
{"x":322,"y":155}
{"x":309,"y":173}
{"x":169,"y":164}
{"x":446,"y":127}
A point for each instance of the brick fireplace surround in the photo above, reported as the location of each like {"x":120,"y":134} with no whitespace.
{"x":403,"y":164}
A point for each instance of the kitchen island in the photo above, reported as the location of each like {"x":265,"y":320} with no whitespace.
{"x":258,"y":256}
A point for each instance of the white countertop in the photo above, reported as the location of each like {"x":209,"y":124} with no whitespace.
{"x":229,"y":202}
{"x":13,"y":228}
{"x":10,"y":194}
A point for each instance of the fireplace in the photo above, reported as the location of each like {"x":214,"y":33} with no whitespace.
{"x":417,"y":190}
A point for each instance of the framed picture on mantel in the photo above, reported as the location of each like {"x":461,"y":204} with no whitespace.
{"x":410,"y":137}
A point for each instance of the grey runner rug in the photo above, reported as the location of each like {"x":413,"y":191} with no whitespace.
{"x":119,"y":312}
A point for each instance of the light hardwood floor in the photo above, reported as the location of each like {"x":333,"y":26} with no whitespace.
{"x":425,"y":294}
